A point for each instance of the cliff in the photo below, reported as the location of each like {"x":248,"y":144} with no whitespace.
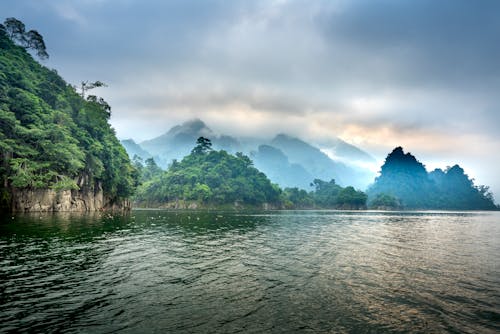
{"x":49,"y":200}
{"x":58,"y":151}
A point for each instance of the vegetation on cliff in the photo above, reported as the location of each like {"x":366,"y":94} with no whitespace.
{"x":51,"y":136}
{"x":404,"y":182}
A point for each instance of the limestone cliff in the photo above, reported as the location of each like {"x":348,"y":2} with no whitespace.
{"x":89,"y":197}
{"x":49,"y":200}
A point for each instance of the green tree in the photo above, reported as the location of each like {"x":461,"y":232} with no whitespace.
{"x":15,"y":29}
{"x":203,"y":145}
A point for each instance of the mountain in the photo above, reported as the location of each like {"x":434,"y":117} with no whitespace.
{"x":347,"y":153}
{"x":179,"y":141}
{"x":405,"y":179}
{"x":318,"y":164}
{"x":274,"y":163}
{"x":288,"y":161}
{"x":57,"y":149}
{"x":134,"y":149}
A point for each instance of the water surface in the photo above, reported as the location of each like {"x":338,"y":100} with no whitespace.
{"x":226,"y":272}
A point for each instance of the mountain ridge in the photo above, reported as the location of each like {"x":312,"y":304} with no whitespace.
{"x":305,"y":159}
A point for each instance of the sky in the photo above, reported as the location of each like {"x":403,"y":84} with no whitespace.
{"x":424,"y":74}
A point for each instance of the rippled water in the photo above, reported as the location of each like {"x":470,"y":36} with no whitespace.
{"x":279,"y":272}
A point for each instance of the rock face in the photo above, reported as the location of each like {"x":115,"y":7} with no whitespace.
{"x":49,"y":200}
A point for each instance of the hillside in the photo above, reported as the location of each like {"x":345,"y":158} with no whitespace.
{"x":209,"y":177}
{"x":134,"y":149}
{"x":57,"y":149}
{"x":305,"y":162}
{"x":320,"y":165}
{"x":274,"y":163}
{"x":405,"y":181}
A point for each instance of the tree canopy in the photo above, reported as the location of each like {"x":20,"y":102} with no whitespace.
{"x":16,"y":31}
{"x":405,"y":182}
{"x":51,"y":137}
{"x":207,"y":176}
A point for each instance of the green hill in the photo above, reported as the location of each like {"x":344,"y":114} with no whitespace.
{"x":208,"y":177}
{"x":57,"y":149}
{"x":404,"y":182}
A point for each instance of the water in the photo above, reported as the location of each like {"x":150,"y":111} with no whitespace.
{"x":278,"y":272}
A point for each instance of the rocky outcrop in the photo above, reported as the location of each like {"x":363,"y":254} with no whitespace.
{"x":49,"y":200}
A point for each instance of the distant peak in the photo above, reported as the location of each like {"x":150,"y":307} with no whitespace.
{"x":399,"y":158}
{"x":129,"y":140}
{"x":195,"y":122}
{"x":285,"y":137}
{"x":398,"y":151}
{"x":193,"y":126}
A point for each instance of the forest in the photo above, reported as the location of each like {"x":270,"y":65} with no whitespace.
{"x":405,"y":183}
{"x":53,"y":136}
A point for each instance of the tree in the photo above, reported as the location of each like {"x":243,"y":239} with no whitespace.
{"x":32,"y":39}
{"x":85,"y":86}
{"x":203,"y":145}
{"x":384,"y":201}
{"x":349,"y":198}
{"x":15,"y":30}
{"x":35,"y":41}
{"x":101,"y":103}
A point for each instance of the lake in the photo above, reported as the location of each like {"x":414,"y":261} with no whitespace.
{"x":266,"y":272}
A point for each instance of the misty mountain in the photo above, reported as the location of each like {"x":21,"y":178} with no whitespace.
{"x":405,"y":178}
{"x":345,"y":152}
{"x":286,"y":160}
{"x":179,"y":141}
{"x":317,"y":163}
{"x":133,"y":149}
{"x":274,"y":163}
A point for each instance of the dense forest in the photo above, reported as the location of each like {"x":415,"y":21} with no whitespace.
{"x":53,"y":137}
{"x":206,"y":176}
{"x":405,"y":183}
{"x":216,"y":178}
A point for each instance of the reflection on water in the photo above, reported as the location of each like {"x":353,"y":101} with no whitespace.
{"x":288,"y":271}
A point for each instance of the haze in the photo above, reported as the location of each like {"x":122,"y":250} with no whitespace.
{"x":424,"y":75}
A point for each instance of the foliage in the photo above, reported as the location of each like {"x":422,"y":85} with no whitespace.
{"x":297,"y":198}
{"x":16,"y":31}
{"x":50,"y":137}
{"x":384,"y":201}
{"x":218,"y":178}
{"x":203,"y":145}
{"x":349,"y":198}
{"x":207,"y":176}
{"x":406,"y":180}
{"x":85,"y":86}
